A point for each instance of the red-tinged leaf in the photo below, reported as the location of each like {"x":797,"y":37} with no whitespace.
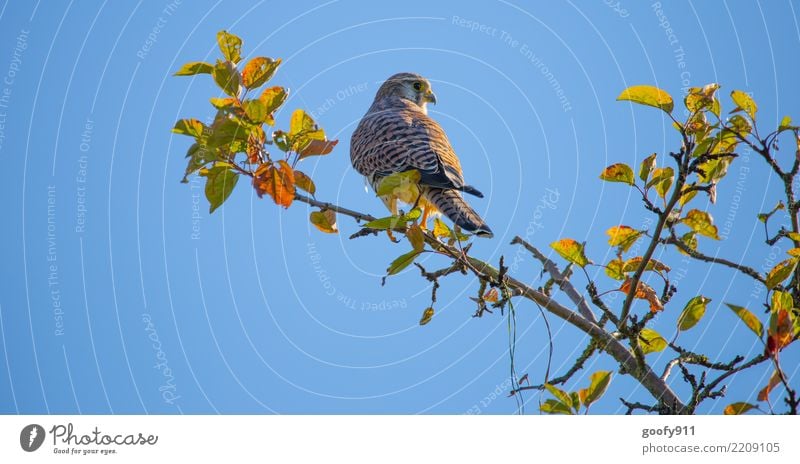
{"x":619,"y":172}
{"x":763,"y":395}
{"x":273,"y":98}
{"x":277,"y":182}
{"x":643,"y":292}
{"x":325,"y":221}
{"x":197,"y":67}
{"x":317,"y":148}
{"x":302,"y":181}
{"x":491,"y":296}
{"x":258,"y":71}
{"x":781,"y":330}
{"x":736,"y":409}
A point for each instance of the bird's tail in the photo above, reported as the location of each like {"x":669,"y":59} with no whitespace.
{"x":452,"y":204}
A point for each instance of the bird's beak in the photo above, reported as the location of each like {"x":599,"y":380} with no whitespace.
{"x":430,"y":97}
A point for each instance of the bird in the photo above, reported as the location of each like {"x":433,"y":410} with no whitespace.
{"x":397,"y":135}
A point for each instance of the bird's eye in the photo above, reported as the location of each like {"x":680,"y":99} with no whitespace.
{"x":417,"y":86}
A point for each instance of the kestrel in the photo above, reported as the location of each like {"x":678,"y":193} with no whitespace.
{"x":397,"y":135}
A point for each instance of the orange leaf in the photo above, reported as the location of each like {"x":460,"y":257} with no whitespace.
{"x":275,"y":182}
{"x":491,"y":296}
{"x":763,"y":395}
{"x":780,"y":331}
{"x":644,"y":292}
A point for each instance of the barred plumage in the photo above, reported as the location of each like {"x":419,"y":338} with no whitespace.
{"x":396,"y":135}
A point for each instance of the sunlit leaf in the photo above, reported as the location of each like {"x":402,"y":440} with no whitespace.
{"x":651,"y":341}
{"x":324,"y":220}
{"x":643,"y":292}
{"x":552,"y":406}
{"x":740,"y":125}
{"x":774,"y":380}
{"x":227,"y":77}
{"x":653,"y":264}
{"x":786,"y":124}
{"x":692,"y":312}
{"x":571,"y":250}
{"x":230,"y":46}
{"x":392,"y":222}
{"x":317,"y":148}
{"x":662,"y":180}
{"x":220,"y":181}
{"x":690,"y":240}
{"x":427,"y":315}
{"x":749,"y":319}
{"x":224,"y":103}
{"x":599,"y":382}
{"x":258,"y":71}
{"x":702,"y":223}
{"x":491,"y":296}
{"x":302,"y":181}
{"x":256,"y":111}
{"x":647,"y":166}
{"x":619,"y":172}
{"x":794,"y":252}
{"x":614,"y":269}
{"x":277,"y":182}
{"x":781,"y":330}
{"x":781,"y":272}
{"x":561,"y":395}
{"x":416,"y":237}
{"x":226,"y":132}
{"x":623,"y":236}
{"x":273,"y":98}
{"x":686,"y":195}
{"x":744,"y":102}
{"x":781,"y":301}
{"x":196,"y":67}
{"x":648,"y":95}
{"x":190,"y":127}
{"x":735,"y":409}
{"x":402,"y":262}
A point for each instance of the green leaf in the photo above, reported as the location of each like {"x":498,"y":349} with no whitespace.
{"x":427,"y":315}
{"x":598,"y":385}
{"x":651,"y":341}
{"x":614,"y":269}
{"x":561,"y":395}
{"x":571,"y":250}
{"x":258,"y":71}
{"x":402,"y":262}
{"x":623,"y":237}
{"x":786,"y":124}
{"x":662,"y":180}
{"x":702,"y":223}
{"x":196,"y":67}
{"x":190,"y":127}
{"x":198,"y":157}
{"x":227,"y":77}
{"x":398,"y":181}
{"x":392,"y":222}
{"x":690,"y":240}
{"x":648,"y":95}
{"x":781,"y":272}
{"x":416,"y":237}
{"x":552,"y":406}
{"x":230,"y":46}
{"x":256,"y":111}
{"x":692,"y":312}
{"x":324,"y":220}
{"x":781,"y":301}
{"x":735,"y":409}
{"x":619,"y":172}
{"x":647,"y":167}
{"x":744,"y":102}
{"x":653,"y":264}
{"x":220,"y":181}
{"x":740,"y":125}
{"x":226,"y":132}
{"x":749,"y":319}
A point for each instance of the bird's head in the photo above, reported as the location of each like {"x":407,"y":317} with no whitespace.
{"x":409,"y":86}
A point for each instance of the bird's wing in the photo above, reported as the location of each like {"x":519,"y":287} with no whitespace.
{"x":396,"y":140}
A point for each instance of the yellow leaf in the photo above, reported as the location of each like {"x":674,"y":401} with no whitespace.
{"x":781,"y":272}
{"x":571,"y":250}
{"x":399,"y":182}
{"x":258,"y":71}
{"x":619,"y":172}
{"x":749,"y":319}
{"x":623,"y":236}
{"x":702,"y":223}
{"x":614,"y":269}
{"x":230,"y":46}
{"x":652,"y":265}
{"x":599,"y":383}
{"x":692,"y":312}
{"x":648,"y":95}
{"x":427,"y":315}
{"x":440,"y":229}
{"x":736,"y":409}
{"x":415,"y":237}
{"x":744,"y":102}
{"x":302,"y":181}
{"x":662,"y":180}
{"x":647,"y":167}
{"x":763,"y":395}
{"x":491,"y":296}
{"x":651,"y":341}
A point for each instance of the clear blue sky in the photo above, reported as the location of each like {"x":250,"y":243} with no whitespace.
{"x":119,"y":294}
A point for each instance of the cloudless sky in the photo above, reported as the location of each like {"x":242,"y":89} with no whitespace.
{"x":119,"y":293}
